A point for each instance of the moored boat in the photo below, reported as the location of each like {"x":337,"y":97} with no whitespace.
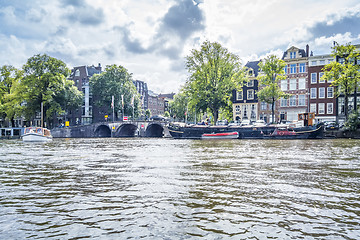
{"x":306,"y":131}
{"x":36,"y":134}
{"x":222,"y":135}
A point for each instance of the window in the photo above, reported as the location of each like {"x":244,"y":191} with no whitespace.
{"x":320,"y":76}
{"x":322,"y":62}
{"x":239,"y":95}
{"x":292,"y":55}
{"x":293,"y":101}
{"x":330,"y":108}
{"x":263,"y":106}
{"x":302,"y":67}
{"x":293,"y":68}
{"x":322,"y":92}
{"x":250,"y":83}
{"x":313,"y":63}
{"x":77,"y":73}
{"x":313,"y":78}
{"x":237,"y":109}
{"x":313,"y":107}
{"x":321,"y":108}
{"x":286,"y":69}
{"x":283,"y":102}
{"x":302,"y":83}
{"x":313,"y":93}
{"x":292,"y":84}
{"x":330,"y":92}
{"x":302,"y":100}
{"x":250,"y":94}
{"x":284,"y":85}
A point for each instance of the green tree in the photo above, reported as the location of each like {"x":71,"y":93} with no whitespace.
{"x":215,"y":72}
{"x":44,"y":81}
{"x":9,"y":100}
{"x":179,"y":105}
{"x":272,"y":72}
{"x":115,"y":81}
{"x":147,"y":113}
{"x":344,"y":72}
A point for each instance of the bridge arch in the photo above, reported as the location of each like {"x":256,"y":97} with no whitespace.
{"x":126,"y":130}
{"x":102,"y":131}
{"x":154,"y":130}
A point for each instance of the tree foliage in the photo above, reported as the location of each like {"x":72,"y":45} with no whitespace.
{"x":344,"y":73}
{"x":215,"y":72}
{"x":44,"y":81}
{"x":272,"y":72}
{"x":178,"y":106}
{"x":115,"y":81}
{"x":9,"y":101}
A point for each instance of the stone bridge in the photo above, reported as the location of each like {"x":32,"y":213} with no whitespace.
{"x":115,"y":129}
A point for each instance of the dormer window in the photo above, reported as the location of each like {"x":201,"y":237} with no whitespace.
{"x":292,"y":55}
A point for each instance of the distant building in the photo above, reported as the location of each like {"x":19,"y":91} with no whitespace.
{"x":142,"y":89}
{"x":322,"y":100}
{"x":155,"y":104}
{"x":88,"y":113}
{"x":296,"y":70}
{"x":167,"y":98}
{"x":245,"y":102}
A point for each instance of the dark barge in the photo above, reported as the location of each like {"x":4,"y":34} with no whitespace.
{"x":308,"y":131}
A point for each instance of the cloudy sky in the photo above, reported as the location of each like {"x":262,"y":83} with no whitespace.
{"x":151,"y":38}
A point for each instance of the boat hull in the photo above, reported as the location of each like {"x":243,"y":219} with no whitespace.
{"x":33,"y":137}
{"x":248,"y":132}
{"x":225,"y":135}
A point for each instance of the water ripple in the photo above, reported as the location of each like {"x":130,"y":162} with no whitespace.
{"x":179,"y":189}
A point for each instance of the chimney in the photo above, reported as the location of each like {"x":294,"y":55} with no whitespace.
{"x":307,"y":50}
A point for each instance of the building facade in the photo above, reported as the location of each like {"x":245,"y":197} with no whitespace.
{"x":322,"y":99}
{"x":88,"y":113}
{"x":155,"y":104}
{"x":142,"y":89}
{"x":296,"y":70}
{"x":245,"y":102}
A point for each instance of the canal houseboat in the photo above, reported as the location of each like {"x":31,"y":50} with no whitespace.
{"x":281,"y":131}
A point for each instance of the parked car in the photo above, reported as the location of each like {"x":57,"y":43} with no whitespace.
{"x":235,"y":123}
{"x":158,"y":118}
{"x":332,"y":126}
{"x":222,"y":123}
{"x":260,"y":123}
{"x":245,"y":122}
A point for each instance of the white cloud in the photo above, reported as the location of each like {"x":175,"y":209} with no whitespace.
{"x":152,"y":38}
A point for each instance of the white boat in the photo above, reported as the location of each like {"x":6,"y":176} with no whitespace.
{"x":36,"y":134}
{"x":222,"y":135}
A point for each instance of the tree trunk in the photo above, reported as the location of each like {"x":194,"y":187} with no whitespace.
{"x":273,"y":111}
{"x":215,"y":113}
{"x":346,"y":108}
{"x":355,"y":96}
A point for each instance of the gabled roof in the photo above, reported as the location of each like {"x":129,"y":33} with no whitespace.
{"x":92,"y":70}
{"x":301,"y":52}
{"x":254,"y":65}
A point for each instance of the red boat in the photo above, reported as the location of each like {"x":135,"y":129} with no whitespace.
{"x":223,"y":135}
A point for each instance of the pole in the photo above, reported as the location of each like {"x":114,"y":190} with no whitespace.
{"x":113,"y":108}
{"x":42,"y":114}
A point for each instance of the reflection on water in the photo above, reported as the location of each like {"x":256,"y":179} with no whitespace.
{"x":180,"y":189}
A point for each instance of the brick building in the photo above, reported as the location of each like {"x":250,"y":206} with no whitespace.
{"x":322,"y":100}
{"x":296,"y":70}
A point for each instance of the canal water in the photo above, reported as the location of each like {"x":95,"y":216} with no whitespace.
{"x":180,"y":189}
